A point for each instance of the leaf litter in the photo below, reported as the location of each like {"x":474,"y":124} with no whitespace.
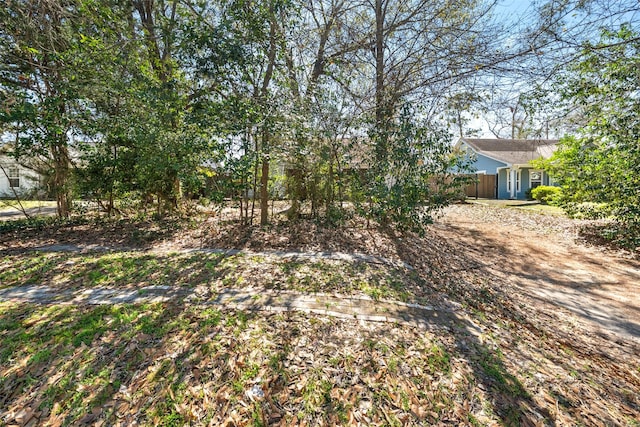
{"x":534,"y":363}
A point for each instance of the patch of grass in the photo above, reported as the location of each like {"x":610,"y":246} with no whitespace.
{"x":164,"y":414}
{"x":542,"y":209}
{"x":374,"y":292}
{"x":438,"y":359}
{"x":493,"y":366}
{"x":87,"y":327}
{"x":7,"y":205}
{"x":405,"y":401}
{"x":41,"y":356}
{"x":238,"y":319}
{"x":316,"y":393}
{"x":392,"y":364}
{"x":257,"y":416}
{"x":473,"y":420}
{"x":35,"y":268}
{"x":122,"y":269}
{"x":250,"y":371}
{"x":211,"y":317}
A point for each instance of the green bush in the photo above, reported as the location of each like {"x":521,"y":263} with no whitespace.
{"x":588,"y":210}
{"x":546,"y":194}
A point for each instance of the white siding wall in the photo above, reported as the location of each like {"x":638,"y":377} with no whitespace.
{"x":26,"y":179}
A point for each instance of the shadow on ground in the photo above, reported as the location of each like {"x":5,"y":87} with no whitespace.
{"x":176,"y":364}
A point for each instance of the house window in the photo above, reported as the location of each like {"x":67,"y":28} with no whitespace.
{"x":535,"y":179}
{"x":509,"y":183}
{"x":14,"y":176}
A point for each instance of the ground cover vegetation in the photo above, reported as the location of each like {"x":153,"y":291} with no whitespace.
{"x":515,"y":360}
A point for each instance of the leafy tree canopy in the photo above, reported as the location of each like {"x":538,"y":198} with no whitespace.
{"x":601,"y":163}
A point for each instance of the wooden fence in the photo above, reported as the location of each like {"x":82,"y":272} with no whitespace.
{"x":484,"y":186}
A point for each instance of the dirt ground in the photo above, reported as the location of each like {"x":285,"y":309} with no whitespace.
{"x":556,"y":334}
{"x":542,"y":258}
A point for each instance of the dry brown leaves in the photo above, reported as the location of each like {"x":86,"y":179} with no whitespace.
{"x":247,"y":370}
{"x":533,"y":363}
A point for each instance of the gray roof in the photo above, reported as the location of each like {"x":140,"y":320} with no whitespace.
{"x":513,"y":151}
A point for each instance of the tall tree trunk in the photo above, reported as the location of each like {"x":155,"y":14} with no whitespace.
{"x":112,"y":182}
{"x":244,"y":197}
{"x":264,"y":179}
{"x":61,"y":172}
{"x":262,"y":97}
{"x":264,"y":191}
{"x":255,"y":178}
{"x":329,"y":193}
{"x":379,"y":58}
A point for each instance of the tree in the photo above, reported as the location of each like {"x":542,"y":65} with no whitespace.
{"x":246,"y":46}
{"x":418,"y":50}
{"x":38,"y":76}
{"x":601,"y":163}
{"x":146,"y":92}
{"x":149,"y":129}
{"x":421,"y":174}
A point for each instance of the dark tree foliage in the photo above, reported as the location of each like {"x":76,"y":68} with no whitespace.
{"x":157,"y":101}
{"x":601,"y":163}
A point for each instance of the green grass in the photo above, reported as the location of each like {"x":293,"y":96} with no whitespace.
{"x":121,"y":269}
{"x":543,"y":209}
{"x":29,"y":269}
{"x":438,"y":359}
{"x":12,"y":205}
{"x":136,"y":270}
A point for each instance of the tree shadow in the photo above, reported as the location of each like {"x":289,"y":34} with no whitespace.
{"x":580,"y":284}
{"x":462,"y":269}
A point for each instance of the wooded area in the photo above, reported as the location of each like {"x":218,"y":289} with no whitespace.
{"x":325,"y":101}
{"x":169,"y":132}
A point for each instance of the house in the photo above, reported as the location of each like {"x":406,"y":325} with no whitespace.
{"x":503,"y":166}
{"x":15,"y":178}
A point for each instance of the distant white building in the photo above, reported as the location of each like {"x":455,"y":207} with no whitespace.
{"x":16,"y":178}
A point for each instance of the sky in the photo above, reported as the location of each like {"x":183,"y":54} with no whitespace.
{"x":519,"y":13}
{"x":506,"y":11}
{"x":512,"y":9}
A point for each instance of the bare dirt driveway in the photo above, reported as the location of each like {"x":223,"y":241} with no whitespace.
{"x":539,"y":258}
